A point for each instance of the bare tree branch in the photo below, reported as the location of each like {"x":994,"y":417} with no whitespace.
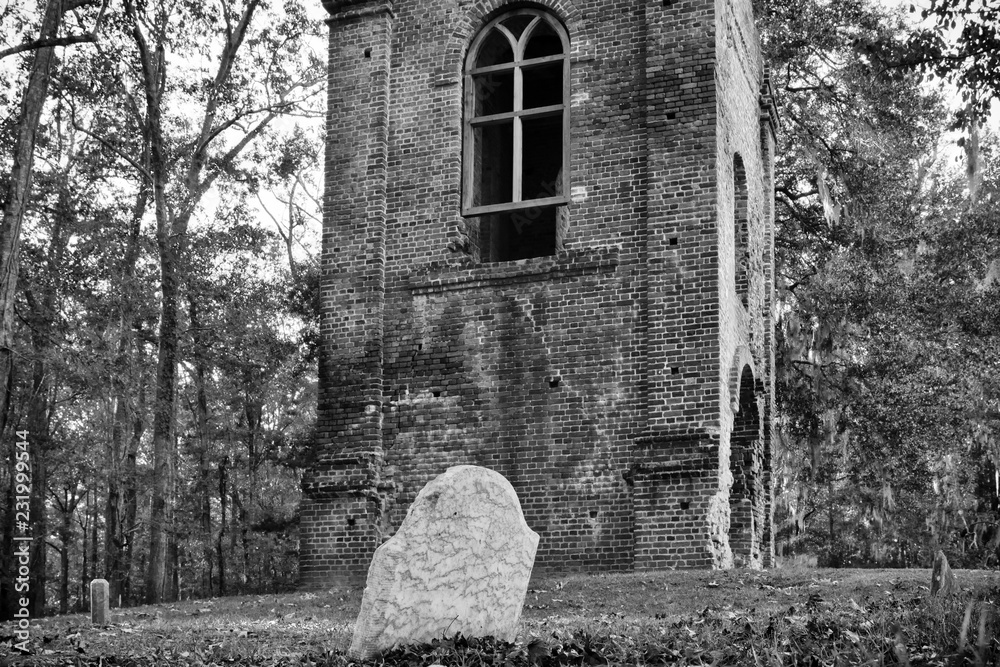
{"x":88,"y":37}
{"x":107,"y":144}
{"x":45,"y":43}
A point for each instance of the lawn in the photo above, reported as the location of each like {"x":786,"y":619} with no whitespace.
{"x":735,"y":617}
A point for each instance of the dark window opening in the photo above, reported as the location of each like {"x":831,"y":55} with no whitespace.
{"x":517,"y":23}
{"x":741,"y":231}
{"x":511,"y":235}
{"x":494,"y":93}
{"x":543,"y":86}
{"x":495,"y":50}
{"x":544,"y":41}
{"x":541,"y":165}
{"x":493,"y":178}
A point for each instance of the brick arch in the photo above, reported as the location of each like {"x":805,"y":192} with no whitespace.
{"x":742,"y":357}
{"x":480,"y":12}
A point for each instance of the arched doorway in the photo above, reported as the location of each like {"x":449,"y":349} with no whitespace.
{"x":746,"y":499}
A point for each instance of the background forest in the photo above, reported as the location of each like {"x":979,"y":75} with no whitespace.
{"x":159,"y":281}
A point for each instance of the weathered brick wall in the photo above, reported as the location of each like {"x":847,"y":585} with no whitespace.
{"x":499,"y":367}
{"x":677,"y":460}
{"x":342,"y":510}
{"x":599,"y":381}
{"x":745,"y":322}
{"x":533,"y":369}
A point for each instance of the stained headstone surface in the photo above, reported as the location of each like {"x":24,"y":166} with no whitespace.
{"x":99,"y":602}
{"x":459,"y":563}
{"x":942,"y":578}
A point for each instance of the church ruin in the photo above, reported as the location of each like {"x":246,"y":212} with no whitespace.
{"x":548,"y":250}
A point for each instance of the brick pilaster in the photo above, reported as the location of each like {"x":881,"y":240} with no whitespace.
{"x":344,"y":492}
{"x":769,"y":124}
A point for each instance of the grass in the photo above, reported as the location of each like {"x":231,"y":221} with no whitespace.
{"x":737,"y":617}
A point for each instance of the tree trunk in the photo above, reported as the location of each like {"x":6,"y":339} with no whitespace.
{"x":204,"y":440}
{"x":168,"y":243}
{"x":219,"y":548}
{"x":85,"y":575}
{"x":173,"y":589}
{"x":240,"y":516}
{"x":121,"y":456}
{"x":834,"y":562}
{"x":207,"y":585}
{"x":66,"y":537}
{"x":93,"y":540}
{"x":163,"y":423}
{"x":121,"y":478}
{"x":17,"y":194}
{"x":130,"y":497}
{"x":38,"y":437}
{"x":15,"y":202}
{"x":171,"y":232}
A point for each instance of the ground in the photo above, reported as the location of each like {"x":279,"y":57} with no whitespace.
{"x":783,"y":616}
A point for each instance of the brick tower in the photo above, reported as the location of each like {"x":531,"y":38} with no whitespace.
{"x":548,"y":250}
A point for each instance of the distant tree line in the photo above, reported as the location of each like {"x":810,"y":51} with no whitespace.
{"x":158,"y":292}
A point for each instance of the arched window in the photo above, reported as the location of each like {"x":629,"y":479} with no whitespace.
{"x":741,"y":231}
{"x":516,"y":135}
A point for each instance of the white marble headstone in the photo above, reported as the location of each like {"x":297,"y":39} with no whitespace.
{"x":459,"y":563}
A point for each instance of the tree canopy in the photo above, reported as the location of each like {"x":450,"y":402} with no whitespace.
{"x":886,"y":251}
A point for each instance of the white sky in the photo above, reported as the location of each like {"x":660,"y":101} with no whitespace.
{"x":993,"y":122}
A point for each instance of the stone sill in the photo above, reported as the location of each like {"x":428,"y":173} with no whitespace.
{"x":435,"y":278}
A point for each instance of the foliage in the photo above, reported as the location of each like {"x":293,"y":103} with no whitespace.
{"x":963,"y":46}
{"x":886,"y":333}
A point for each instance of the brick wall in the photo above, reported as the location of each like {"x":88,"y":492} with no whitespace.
{"x":342,"y":508}
{"x":599,"y":381}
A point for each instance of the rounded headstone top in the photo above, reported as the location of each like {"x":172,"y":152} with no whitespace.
{"x":466,"y":491}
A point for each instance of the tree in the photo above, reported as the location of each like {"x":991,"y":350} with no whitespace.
{"x":91,"y":283}
{"x":19,"y":183}
{"x":182,"y":170}
{"x":868,"y":370}
{"x":962,"y":47}
{"x":243,"y":390}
